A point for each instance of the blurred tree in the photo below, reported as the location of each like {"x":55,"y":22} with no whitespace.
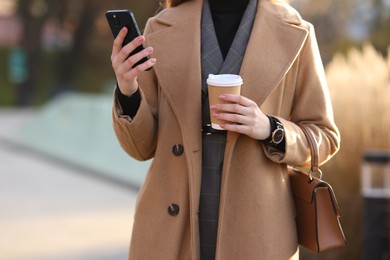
{"x":83,"y":16}
{"x":79,"y":20}
{"x":33,"y":15}
{"x":380,"y":27}
{"x":342,"y":24}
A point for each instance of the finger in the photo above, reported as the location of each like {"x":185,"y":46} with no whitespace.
{"x":241,"y":129}
{"x":146,"y":65}
{"x":117,"y":46}
{"x":139,"y":56}
{"x":128,"y":48}
{"x":233,"y":118}
{"x":231,"y":108}
{"x":140,"y":68}
{"x":237,"y":99}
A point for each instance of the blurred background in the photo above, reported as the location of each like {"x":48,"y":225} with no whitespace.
{"x":67,"y":191}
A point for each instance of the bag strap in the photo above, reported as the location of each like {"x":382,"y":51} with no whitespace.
{"x":315,"y":169}
{"x":313,"y":151}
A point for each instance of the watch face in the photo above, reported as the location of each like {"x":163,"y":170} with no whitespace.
{"x":277,"y":136}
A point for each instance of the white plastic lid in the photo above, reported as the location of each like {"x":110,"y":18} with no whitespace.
{"x":224,"y":80}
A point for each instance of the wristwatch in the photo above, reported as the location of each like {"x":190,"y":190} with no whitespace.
{"x":277,"y":135}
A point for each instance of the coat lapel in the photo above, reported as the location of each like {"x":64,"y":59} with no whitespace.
{"x":177,"y":49}
{"x":274,"y":45}
{"x":272,"y":49}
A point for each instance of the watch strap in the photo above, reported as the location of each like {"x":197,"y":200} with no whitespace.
{"x":274,"y":126}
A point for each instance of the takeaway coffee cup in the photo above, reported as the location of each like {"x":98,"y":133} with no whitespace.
{"x":218,"y":85}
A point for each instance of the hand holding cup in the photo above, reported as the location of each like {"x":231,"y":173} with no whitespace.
{"x":233,"y":112}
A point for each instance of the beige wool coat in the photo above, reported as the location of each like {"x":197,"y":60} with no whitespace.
{"x":283,"y":74}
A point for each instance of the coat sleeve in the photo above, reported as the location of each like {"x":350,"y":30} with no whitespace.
{"x":138,"y":135}
{"x":311,"y":107}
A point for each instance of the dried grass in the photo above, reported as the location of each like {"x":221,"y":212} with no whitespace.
{"x":359,"y":84}
{"x":360,"y":89}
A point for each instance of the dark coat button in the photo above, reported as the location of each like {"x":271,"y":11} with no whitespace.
{"x":173,"y":210}
{"x":178,"y":149}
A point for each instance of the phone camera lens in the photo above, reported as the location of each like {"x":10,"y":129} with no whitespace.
{"x":116,"y":20}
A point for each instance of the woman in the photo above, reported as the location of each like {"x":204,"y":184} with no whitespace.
{"x":220,"y":194}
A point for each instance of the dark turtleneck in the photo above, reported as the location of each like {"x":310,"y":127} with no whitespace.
{"x":227,"y":15}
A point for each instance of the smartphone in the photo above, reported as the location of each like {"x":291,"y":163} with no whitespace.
{"x":117,"y":19}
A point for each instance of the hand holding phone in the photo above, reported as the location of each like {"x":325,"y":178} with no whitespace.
{"x":129,"y":56}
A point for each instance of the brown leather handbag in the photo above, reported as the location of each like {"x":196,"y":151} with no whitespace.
{"x":318,"y":214}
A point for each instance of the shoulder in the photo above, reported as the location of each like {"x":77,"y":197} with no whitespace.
{"x":178,"y":13}
{"x":282,"y":10}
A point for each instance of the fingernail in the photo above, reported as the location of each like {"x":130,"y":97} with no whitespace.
{"x":215,"y":114}
{"x":140,"y":38}
{"x":222,"y":96}
{"x":153,"y":60}
{"x":213,"y":107}
{"x":149,"y":49}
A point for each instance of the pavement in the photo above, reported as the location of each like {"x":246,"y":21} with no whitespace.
{"x":51,"y":210}
{"x":76,"y":129}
